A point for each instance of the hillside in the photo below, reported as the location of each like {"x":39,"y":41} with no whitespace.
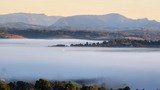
{"x":84,"y":34}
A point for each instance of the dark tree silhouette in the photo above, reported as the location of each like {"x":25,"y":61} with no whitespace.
{"x":43,"y":85}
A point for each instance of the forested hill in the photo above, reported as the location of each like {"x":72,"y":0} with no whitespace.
{"x":80,"y":34}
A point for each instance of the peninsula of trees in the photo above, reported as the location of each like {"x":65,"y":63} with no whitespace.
{"x":117,"y":43}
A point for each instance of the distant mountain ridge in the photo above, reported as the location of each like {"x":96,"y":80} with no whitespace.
{"x":112,"y":22}
{"x":104,"y":22}
{"x":29,"y":18}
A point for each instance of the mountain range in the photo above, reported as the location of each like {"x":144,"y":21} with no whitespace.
{"x":29,"y":18}
{"x":111,"y":21}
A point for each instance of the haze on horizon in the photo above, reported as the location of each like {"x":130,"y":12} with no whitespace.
{"x":130,"y":8}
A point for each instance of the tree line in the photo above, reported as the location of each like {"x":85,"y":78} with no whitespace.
{"x":42,"y":84}
{"x":120,"y":43}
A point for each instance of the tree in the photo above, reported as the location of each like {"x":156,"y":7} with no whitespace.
{"x":43,"y":85}
{"x":59,"y":85}
{"x":126,"y":88}
{"x":4,"y":86}
{"x":70,"y":86}
{"x":89,"y":88}
{"x":20,"y":85}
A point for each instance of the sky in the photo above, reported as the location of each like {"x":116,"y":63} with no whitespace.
{"x":129,"y":8}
